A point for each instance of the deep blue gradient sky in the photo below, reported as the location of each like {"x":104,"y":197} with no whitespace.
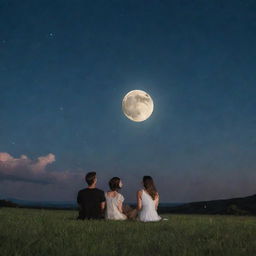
{"x":66,"y":65}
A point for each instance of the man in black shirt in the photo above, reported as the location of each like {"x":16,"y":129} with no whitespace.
{"x":91,"y":200}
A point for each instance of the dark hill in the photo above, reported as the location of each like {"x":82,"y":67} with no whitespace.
{"x":5,"y":203}
{"x":234,"y":206}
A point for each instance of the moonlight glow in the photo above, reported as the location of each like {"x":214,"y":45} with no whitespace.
{"x":137,"y":105}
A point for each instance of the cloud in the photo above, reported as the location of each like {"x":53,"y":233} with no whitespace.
{"x":42,"y":162}
{"x":8,"y":161}
{"x":29,"y":179}
{"x":26,"y":170}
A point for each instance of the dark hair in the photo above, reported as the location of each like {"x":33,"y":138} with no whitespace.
{"x":150,"y":186}
{"x":90,"y":178}
{"x":114,"y":183}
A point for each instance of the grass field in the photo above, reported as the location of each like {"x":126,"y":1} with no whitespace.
{"x":43,"y":232}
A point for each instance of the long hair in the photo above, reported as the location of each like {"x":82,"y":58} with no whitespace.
{"x":150,"y":186}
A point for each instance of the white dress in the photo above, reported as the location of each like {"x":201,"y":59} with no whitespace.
{"x":112,"y":212}
{"x":148,"y":211}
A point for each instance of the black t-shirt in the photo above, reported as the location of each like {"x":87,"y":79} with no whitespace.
{"x":89,"y":200}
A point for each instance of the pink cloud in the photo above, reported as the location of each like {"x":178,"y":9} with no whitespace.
{"x":42,"y":162}
{"x":26,"y":170}
{"x":29,"y":179}
{"x":9,"y":163}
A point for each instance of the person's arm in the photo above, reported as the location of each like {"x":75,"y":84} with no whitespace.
{"x":139,"y":201}
{"x":102,"y":205}
{"x":156,"y":201}
{"x":102,"y":202}
{"x":120,"y":206}
{"x":78,"y":200}
{"x":120,"y":203}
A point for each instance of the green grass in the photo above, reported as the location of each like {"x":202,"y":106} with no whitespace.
{"x":43,"y":232}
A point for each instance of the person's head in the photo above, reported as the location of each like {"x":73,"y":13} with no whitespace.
{"x":91,"y":178}
{"x":149,"y":186}
{"x":115,"y":184}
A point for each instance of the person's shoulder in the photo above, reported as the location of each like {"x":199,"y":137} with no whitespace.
{"x":99,"y":191}
{"x":82,"y":190}
{"x":120,"y":195}
{"x":139,"y":192}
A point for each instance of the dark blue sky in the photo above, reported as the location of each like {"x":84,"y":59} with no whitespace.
{"x":66,"y":65}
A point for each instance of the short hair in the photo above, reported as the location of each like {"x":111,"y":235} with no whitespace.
{"x":114,"y":183}
{"x":90,"y":178}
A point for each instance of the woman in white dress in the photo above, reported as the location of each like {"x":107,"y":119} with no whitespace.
{"x":114,"y":201}
{"x":147,"y":201}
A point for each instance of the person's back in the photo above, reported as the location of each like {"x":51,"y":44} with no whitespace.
{"x":91,"y":200}
{"x":112,"y":210}
{"x":147,"y":200}
{"x":148,"y":211}
{"x":114,"y":201}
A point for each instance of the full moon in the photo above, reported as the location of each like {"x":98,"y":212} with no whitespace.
{"x":137,"y":105}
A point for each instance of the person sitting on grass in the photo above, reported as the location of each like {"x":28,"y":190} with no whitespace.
{"x":115,"y":210}
{"x":147,"y":201}
{"x":91,"y":200}
{"x":114,"y":201}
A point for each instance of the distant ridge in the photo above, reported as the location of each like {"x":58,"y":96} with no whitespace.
{"x":65,"y":204}
{"x":233,"y":206}
{"x":43,"y":204}
{"x":7,"y":203}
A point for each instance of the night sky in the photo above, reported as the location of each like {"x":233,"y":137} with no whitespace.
{"x":65,"y":67}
